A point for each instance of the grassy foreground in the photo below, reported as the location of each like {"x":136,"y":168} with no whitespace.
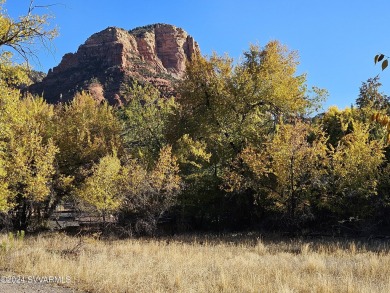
{"x":202,"y":264}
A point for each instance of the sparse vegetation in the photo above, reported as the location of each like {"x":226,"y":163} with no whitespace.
{"x":233,"y":263}
{"x":141,"y":30}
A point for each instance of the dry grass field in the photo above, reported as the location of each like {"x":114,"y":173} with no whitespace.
{"x":233,"y":263}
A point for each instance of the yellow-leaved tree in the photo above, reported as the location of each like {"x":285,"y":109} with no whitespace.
{"x":28,"y":155}
{"x":86,"y":131}
{"x":24,"y":33}
{"x":26,"y":149}
{"x":8,"y":102}
{"x":148,"y":194}
{"x":137,"y":195}
{"x":288,"y":167}
{"x":227,"y":107}
{"x":354,"y":172}
{"x":103,"y":189}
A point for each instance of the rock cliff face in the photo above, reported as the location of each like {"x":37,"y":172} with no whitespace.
{"x":113,"y":57}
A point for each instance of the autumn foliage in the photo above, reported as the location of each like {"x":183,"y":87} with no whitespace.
{"x":238,"y":148}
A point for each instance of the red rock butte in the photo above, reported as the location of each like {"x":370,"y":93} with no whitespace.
{"x":155,"y":53}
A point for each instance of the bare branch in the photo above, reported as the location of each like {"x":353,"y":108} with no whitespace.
{"x":28,"y":31}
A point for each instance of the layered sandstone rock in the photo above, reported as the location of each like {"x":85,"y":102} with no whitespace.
{"x":114,"y":57}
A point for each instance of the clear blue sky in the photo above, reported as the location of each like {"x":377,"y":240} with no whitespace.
{"x":336,"y":39}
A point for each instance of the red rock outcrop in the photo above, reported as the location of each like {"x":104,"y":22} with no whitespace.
{"x":113,"y":57}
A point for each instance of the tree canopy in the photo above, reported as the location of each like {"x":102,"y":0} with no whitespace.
{"x":237,"y":148}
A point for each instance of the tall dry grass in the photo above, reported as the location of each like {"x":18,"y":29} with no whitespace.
{"x":202,"y":264}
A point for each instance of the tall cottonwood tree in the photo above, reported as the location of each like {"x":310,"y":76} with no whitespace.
{"x":28,"y":155}
{"x":19,"y":36}
{"x":228,"y":107}
{"x":27,"y":150}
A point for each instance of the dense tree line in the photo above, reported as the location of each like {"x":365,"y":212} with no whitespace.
{"x":237,"y":149}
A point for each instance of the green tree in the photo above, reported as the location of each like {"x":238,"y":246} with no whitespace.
{"x":147,"y":118}
{"x":370,"y":96}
